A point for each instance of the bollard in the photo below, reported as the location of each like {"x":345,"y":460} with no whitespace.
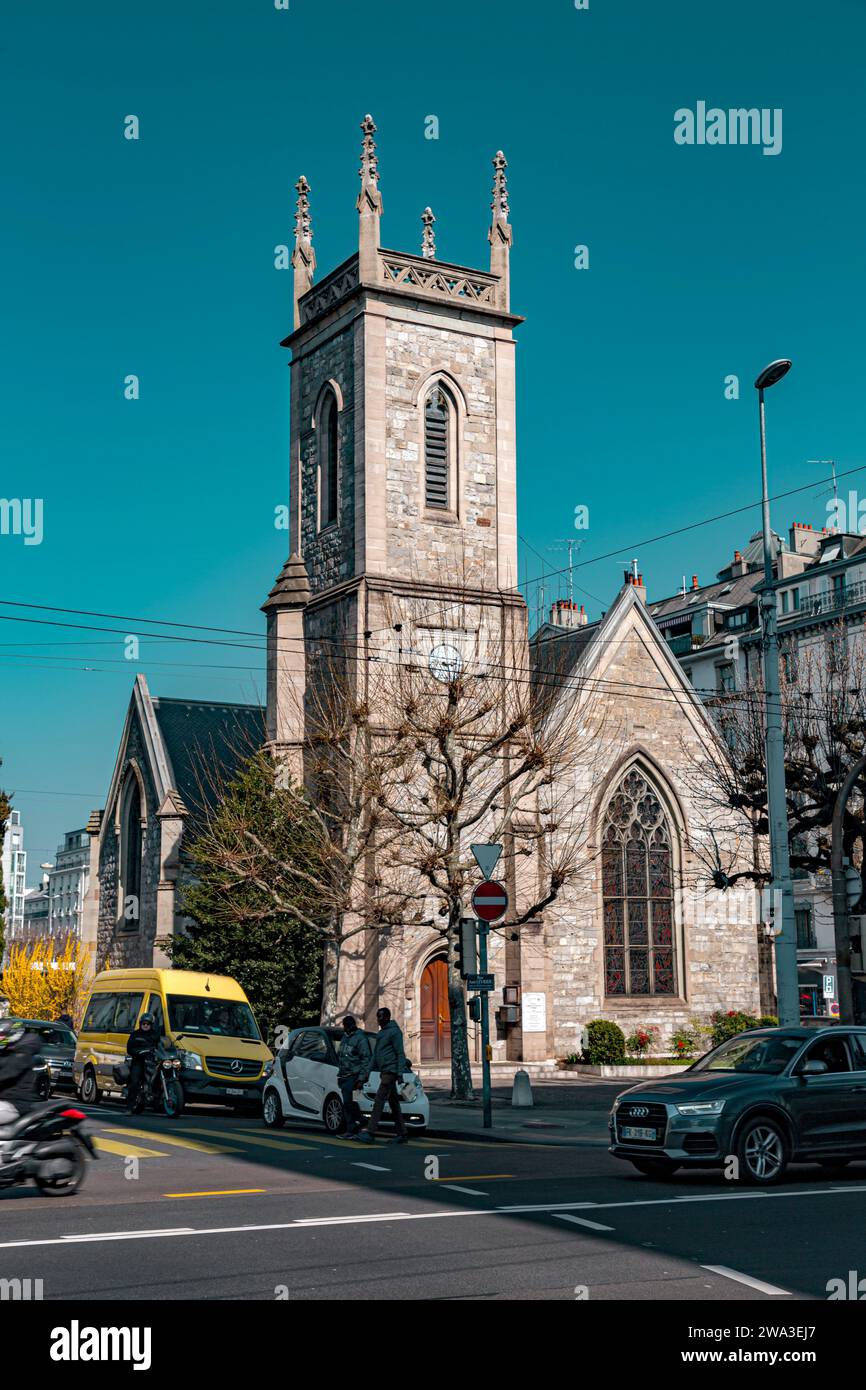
{"x":521,"y":1094}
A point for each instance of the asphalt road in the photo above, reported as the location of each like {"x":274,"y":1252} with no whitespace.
{"x":214,"y":1206}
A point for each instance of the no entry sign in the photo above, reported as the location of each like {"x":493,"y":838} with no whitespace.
{"x":489,"y":900}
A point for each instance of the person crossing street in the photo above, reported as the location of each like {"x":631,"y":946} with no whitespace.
{"x":389,"y":1059}
{"x":355,"y":1062}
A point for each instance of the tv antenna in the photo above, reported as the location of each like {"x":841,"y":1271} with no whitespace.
{"x":568,"y":543}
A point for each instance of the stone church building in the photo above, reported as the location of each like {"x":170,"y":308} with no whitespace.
{"x":403,"y":529}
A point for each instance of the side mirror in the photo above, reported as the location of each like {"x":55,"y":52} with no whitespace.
{"x":814,"y":1068}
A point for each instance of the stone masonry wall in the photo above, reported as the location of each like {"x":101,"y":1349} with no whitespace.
{"x":329,"y":555}
{"x":124,"y":947}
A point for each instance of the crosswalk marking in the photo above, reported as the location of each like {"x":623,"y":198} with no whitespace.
{"x":126,"y":1150}
{"x":172,"y":1139}
{"x":313,"y":1139}
{"x":245,"y":1138}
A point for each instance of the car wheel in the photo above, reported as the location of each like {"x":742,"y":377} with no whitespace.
{"x":90,"y":1092}
{"x":762,"y":1151}
{"x":333,"y":1115}
{"x":272,"y":1110}
{"x":661,"y":1168}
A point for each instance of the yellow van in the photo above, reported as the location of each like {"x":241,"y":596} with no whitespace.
{"x":207,"y":1017}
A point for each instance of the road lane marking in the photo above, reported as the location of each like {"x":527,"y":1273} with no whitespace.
{"x":677,"y":1201}
{"x":175,"y":1141}
{"x":299,"y":1225}
{"x":227,"y":1192}
{"x":112,"y":1146}
{"x":376,"y":1167}
{"x":472,"y":1177}
{"x":747,"y":1279}
{"x":472,"y":1191}
{"x":312,"y":1139}
{"x":265,"y":1142}
{"x":581,"y":1221}
{"x":385,"y":1217}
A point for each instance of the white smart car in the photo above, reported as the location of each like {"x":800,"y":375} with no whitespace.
{"x":301,"y":1084}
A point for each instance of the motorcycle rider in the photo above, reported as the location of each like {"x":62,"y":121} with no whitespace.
{"x":19,"y":1055}
{"x":142,"y":1043}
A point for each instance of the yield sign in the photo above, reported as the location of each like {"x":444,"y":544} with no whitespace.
{"x":489,"y":900}
{"x":487,"y":857}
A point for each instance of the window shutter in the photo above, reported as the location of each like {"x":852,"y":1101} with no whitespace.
{"x":436,"y":421}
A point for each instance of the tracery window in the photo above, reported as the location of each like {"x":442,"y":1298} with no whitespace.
{"x":637,"y":885}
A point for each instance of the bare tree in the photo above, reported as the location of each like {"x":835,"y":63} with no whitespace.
{"x":823,"y":693}
{"x":481,"y":753}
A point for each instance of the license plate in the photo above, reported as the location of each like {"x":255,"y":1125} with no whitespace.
{"x":233,"y":1091}
{"x":636,"y":1132}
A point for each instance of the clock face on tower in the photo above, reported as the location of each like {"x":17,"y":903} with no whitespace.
{"x":445,"y":662}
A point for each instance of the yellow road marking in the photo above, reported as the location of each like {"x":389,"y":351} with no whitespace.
{"x":177,"y":1143}
{"x":126,"y":1150}
{"x":242,"y":1138}
{"x":228,"y":1192}
{"x":473,"y":1177}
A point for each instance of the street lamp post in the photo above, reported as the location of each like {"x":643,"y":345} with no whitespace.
{"x":774,"y":743}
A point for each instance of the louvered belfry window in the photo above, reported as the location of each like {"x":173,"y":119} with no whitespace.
{"x":437,"y":423}
{"x":328,"y":463}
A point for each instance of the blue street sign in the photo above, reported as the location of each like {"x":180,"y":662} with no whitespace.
{"x":480,"y":982}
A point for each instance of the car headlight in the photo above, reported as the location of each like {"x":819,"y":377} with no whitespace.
{"x":268,"y":1071}
{"x":192,"y":1061}
{"x":702,"y":1107}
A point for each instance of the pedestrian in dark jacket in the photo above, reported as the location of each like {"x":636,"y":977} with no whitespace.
{"x":356,"y":1058}
{"x":389,"y":1059}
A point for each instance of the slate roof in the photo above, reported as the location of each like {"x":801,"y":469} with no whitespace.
{"x":192,"y":730}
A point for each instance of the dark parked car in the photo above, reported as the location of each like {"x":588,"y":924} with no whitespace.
{"x":768,"y":1097}
{"x":57,"y":1048}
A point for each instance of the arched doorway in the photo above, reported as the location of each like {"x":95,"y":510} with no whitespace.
{"x":435,"y":1025}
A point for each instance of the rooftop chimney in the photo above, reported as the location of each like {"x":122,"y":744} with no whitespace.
{"x":565,"y":613}
{"x":695,"y":584}
{"x":803,"y":538}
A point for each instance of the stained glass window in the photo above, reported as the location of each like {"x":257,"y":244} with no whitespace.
{"x":637,"y":884}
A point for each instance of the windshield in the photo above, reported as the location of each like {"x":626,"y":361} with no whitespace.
{"x":764,"y":1054}
{"x":54,"y":1037}
{"x":218,"y":1017}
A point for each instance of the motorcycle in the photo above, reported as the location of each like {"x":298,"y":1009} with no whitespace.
{"x":161,"y":1086}
{"x":49,"y":1146}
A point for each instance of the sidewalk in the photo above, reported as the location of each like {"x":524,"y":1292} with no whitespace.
{"x":566,"y":1115}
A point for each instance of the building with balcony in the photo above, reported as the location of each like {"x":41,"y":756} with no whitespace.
{"x":14,"y":876}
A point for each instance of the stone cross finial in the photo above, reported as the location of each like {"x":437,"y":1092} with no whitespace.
{"x":428,"y":236}
{"x":303,"y":256}
{"x":500,"y":235}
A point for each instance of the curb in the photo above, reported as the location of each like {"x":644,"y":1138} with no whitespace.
{"x":491,"y":1137}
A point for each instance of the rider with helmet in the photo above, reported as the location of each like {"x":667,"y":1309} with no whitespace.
{"x":142,"y":1042}
{"x":19,"y":1055}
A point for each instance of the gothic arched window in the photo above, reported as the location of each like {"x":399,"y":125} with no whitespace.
{"x":328,"y":461}
{"x":438,"y":409}
{"x":637,"y":884}
{"x":130,"y":854}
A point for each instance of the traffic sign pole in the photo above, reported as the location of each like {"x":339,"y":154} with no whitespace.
{"x":483,"y":929}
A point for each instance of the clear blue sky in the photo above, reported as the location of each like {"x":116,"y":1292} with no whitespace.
{"x":155,"y":257}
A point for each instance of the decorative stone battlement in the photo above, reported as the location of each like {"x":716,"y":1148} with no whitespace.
{"x":402,"y":271}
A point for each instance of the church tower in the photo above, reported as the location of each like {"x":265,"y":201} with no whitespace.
{"x":403,"y":462}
